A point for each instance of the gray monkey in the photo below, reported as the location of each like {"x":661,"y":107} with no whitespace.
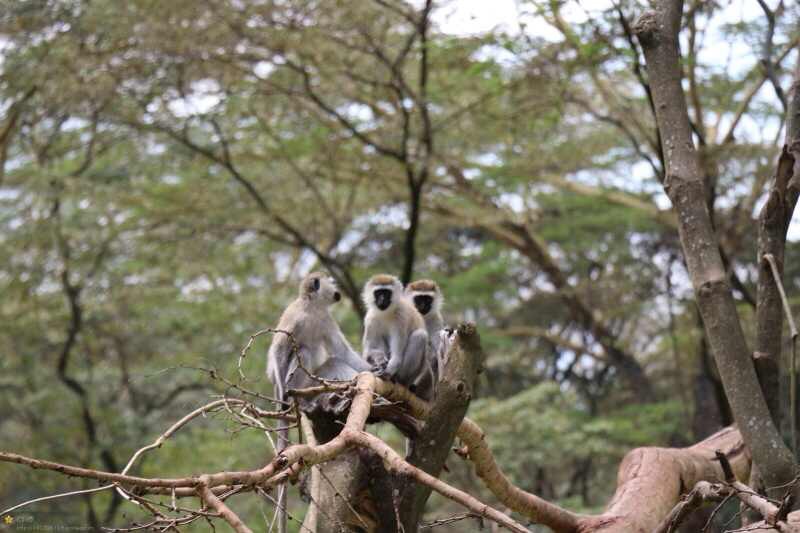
{"x":395,"y":339}
{"x":428,"y":300}
{"x":314,"y":334}
{"x":317,"y":342}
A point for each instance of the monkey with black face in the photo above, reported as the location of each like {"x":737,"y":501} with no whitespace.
{"x":395,"y":338}
{"x":427,"y":299}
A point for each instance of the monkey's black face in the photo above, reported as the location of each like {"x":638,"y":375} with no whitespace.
{"x":383,"y":298}
{"x":423,"y":303}
{"x":337,"y":296}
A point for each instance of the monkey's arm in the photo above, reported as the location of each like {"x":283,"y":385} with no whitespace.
{"x":338,"y":347}
{"x":374,"y":348}
{"x":397,"y":347}
{"x":434,"y":326}
{"x":374,"y":340}
{"x":397,"y":344}
{"x":406,"y":354}
{"x":407,"y":360}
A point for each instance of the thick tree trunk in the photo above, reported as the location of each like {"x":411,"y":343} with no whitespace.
{"x":333,"y":485}
{"x":658,"y":32}
{"x":334,"y":490}
{"x":430,"y":450}
{"x":652,"y":480}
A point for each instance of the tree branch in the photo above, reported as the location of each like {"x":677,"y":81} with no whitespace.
{"x":286,"y":464}
{"x":454,"y":391}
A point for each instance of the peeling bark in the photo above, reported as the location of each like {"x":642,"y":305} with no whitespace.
{"x":773,"y":224}
{"x":430,"y":450}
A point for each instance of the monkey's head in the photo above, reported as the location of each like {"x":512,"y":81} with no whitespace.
{"x":426,"y":295}
{"x":382,"y":291}
{"x":319,"y":287}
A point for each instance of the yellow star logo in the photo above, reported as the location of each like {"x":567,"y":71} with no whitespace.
{"x":8,"y":519}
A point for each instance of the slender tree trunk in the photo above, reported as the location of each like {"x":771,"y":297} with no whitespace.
{"x":773,"y":223}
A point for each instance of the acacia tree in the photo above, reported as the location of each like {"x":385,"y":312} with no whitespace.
{"x":388,"y":100}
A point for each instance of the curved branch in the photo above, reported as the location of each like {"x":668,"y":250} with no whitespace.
{"x":213,"y":502}
{"x":650,"y":480}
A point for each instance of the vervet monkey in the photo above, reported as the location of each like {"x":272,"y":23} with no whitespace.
{"x":314,"y":333}
{"x":315,"y":336}
{"x":317,"y":342}
{"x":427,"y":299}
{"x":395,"y":338}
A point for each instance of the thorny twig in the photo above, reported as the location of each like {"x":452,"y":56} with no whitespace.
{"x":290,"y":460}
{"x":448,"y":520}
{"x":282,"y":508}
{"x":209,"y":407}
{"x":250,"y":342}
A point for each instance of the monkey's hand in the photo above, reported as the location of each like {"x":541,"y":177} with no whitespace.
{"x":383,"y":373}
{"x":380,"y":364}
{"x":380,"y":370}
{"x":390,"y":372}
{"x":377,"y":359}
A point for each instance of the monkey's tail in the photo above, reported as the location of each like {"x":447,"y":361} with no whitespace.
{"x":283,"y":488}
{"x":283,"y":442}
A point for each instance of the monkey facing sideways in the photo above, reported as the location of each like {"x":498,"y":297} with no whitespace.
{"x":317,"y":342}
{"x":317,"y":338}
{"x":395,"y":338}
{"x":428,"y":299}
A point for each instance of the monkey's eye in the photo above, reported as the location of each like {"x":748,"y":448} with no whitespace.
{"x":315,"y":285}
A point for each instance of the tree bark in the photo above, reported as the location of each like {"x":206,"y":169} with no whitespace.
{"x":334,"y":492}
{"x":333,"y":487}
{"x":773,"y":223}
{"x":658,"y":30}
{"x":358,"y":482}
{"x":430,"y":450}
{"x":651,"y":481}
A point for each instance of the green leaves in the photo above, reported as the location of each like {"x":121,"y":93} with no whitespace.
{"x":186,"y":164}
{"x":547,"y":430}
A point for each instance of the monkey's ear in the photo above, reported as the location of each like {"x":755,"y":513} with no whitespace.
{"x":315,"y":285}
